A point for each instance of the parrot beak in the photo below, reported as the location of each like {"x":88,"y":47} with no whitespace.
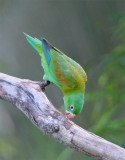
{"x":69,"y":115}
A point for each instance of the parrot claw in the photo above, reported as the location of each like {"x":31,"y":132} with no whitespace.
{"x":44,"y":84}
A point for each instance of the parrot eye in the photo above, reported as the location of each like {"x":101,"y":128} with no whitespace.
{"x":71,"y":107}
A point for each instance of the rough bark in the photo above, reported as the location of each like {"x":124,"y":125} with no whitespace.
{"x":28,"y":97}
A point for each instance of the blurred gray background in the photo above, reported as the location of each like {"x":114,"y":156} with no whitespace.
{"x":88,"y":32}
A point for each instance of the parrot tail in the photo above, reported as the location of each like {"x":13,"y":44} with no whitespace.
{"x":36,"y":43}
{"x":43,"y":47}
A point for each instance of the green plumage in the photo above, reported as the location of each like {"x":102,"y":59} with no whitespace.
{"x":68,"y":75}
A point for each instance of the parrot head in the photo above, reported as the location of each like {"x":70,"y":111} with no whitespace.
{"x":73,"y":103}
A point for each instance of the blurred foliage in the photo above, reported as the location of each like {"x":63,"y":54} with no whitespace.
{"x":104,"y":60}
{"x":108,"y":98}
{"x":7,"y":150}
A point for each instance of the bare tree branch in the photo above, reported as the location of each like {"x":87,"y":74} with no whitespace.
{"x":28,"y":97}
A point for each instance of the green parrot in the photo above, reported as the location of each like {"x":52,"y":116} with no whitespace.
{"x":61,"y":70}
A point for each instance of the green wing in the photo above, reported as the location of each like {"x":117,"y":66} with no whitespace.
{"x":62,"y":71}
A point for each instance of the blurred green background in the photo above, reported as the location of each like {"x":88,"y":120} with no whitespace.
{"x":92,"y":32}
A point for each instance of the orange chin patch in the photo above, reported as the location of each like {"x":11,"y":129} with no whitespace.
{"x":69,"y":115}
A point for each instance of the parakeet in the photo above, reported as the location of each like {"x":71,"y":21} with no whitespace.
{"x":61,"y":70}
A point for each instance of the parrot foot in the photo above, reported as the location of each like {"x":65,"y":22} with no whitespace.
{"x":44,"y":84}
